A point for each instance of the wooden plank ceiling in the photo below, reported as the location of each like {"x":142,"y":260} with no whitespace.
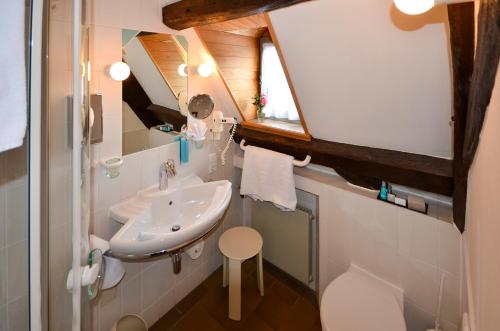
{"x":235,"y":47}
{"x":167,"y":55}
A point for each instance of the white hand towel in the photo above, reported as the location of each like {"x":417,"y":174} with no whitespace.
{"x":13,"y":104}
{"x":268,"y":176}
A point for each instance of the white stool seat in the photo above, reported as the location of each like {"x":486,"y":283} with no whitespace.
{"x":240,"y":243}
{"x":237,"y":245}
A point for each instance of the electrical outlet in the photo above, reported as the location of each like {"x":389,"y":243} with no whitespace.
{"x":212,"y":163}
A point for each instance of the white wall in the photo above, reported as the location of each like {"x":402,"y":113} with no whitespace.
{"x":148,"y":76}
{"x":367,"y":75}
{"x":483,"y":223}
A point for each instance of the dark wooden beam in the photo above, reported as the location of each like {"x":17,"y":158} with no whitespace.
{"x":190,"y":13}
{"x":167,"y":115}
{"x":461,"y":18}
{"x":361,"y":163}
{"x":483,"y":77}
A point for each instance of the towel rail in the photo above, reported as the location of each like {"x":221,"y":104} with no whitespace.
{"x":295,"y":162}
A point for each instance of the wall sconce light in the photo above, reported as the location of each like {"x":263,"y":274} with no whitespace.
{"x":417,"y":7}
{"x":205,"y":69}
{"x":182,"y":70}
{"x":119,"y":71}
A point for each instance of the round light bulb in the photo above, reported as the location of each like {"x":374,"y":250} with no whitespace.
{"x":414,"y":7}
{"x":119,"y":71}
{"x":182,"y":70}
{"x":205,"y":69}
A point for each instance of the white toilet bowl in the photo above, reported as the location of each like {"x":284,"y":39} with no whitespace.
{"x":358,"y":301}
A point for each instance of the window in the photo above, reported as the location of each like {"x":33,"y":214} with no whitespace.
{"x":280,"y":103}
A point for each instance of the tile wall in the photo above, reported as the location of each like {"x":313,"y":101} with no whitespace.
{"x":14,"y":250}
{"x":150,"y":289}
{"x":408,"y":249}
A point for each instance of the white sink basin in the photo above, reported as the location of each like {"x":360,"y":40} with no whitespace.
{"x":172,"y":219}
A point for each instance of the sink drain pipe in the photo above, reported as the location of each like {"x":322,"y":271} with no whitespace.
{"x":176,"y":262}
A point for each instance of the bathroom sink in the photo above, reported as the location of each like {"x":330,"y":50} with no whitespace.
{"x":172,"y":220}
{"x":173,"y":184}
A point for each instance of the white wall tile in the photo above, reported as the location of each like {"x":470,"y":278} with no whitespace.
{"x":149,"y":168}
{"x":130,"y":174}
{"x":16,"y":215}
{"x":60,"y":250}
{"x":449,"y":248}
{"x":385,"y":224}
{"x":451,"y":310}
{"x":416,"y":318}
{"x":132,"y":269}
{"x":156,"y":281}
{"x":3,"y":276}
{"x":18,"y":314}
{"x":420,"y":282}
{"x":132,"y":17}
{"x":109,"y":308}
{"x":3,"y":318}
{"x":131,"y":292}
{"x":17,"y":270}
{"x":424,"y":236}
{"x":150,"y":315}
{"x":398,"y":245}
{"x":2,"y":211}
{"x":165,"y":303}
{"x":107,"y":12}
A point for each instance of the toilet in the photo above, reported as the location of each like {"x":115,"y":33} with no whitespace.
{"x":358,"y":300}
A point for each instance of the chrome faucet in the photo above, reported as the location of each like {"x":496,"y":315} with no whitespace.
{"x":167,"y":169}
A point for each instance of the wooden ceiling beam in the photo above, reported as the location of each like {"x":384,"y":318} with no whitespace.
{"x":191,"y":13}
{"x":357,"y":164}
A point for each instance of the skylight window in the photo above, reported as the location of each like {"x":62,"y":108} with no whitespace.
{"x":280,"y":102}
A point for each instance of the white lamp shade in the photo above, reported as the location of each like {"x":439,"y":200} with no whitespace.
{"x":119,"y":71}
{"x":182,"y":70}
{"x":205,"y":69}
{"x":414,"y":7}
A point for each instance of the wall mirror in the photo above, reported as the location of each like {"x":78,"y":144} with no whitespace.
{"x":249,"y":60}
{"x":154,"y":96}
{"x":201,"y":106}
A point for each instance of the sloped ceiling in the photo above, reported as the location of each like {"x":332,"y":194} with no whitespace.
{"x":368,"y":75}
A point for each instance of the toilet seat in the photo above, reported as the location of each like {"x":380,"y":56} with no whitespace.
{"x":353,"y":302}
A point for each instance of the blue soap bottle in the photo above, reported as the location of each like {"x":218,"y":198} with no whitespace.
{"x":383,"y":191}
{"x":184,"y":149}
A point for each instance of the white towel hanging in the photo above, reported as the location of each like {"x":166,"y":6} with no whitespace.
{"x":13,"y":103}
{"x":268,"y":176}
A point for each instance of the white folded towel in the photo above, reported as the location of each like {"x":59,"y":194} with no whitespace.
{"x":13,"y":104}
{"x":268,"y":176}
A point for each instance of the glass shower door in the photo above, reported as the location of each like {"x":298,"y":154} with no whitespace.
{"x":14,"y":195}
{"x":67,"y":162}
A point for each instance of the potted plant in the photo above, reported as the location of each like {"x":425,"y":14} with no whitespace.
{"x":260,"y":100}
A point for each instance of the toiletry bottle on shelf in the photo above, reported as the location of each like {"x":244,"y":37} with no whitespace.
{"x":383,"y":191}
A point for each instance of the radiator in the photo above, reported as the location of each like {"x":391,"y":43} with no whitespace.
{"x":287,"y":238}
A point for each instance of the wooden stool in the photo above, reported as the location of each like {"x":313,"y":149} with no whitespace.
{"x":237,"y":245}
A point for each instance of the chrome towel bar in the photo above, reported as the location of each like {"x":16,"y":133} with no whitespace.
{"x":295,"y":162}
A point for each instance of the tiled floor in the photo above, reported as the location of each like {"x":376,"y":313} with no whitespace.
{"x":285,"y":306}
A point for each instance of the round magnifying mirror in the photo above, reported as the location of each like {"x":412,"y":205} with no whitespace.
{"x":201,"y":106}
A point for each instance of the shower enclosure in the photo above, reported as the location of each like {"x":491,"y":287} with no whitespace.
{"x":45,"y":183}
{"x":66,"y":163}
